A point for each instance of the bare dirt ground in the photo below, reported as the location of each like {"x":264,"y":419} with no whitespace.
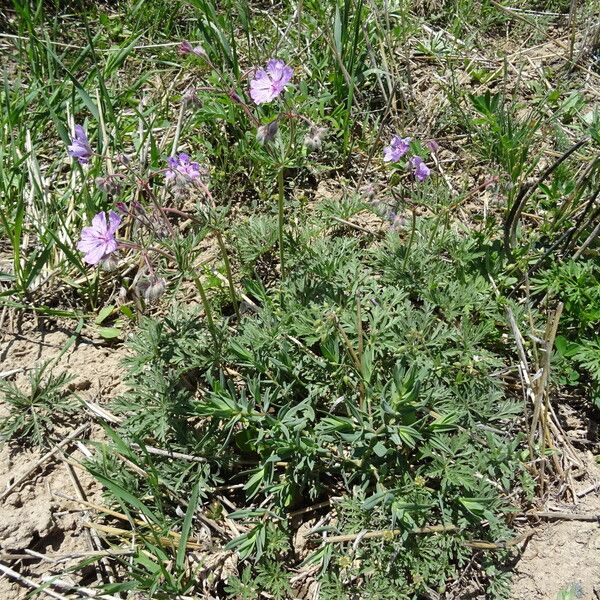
{"x":36,"y":515}
{"x":564,"y":554}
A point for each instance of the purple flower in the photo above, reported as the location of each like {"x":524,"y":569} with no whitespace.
{"x":98,"y":241}
{"x":420,"y":169}
{"x":80,"y":147}
{"x":397,"y":149}
{"x":268,"y":84}
{"x":182,"y":168}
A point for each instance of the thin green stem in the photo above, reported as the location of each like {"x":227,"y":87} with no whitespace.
{"x":280,"y":203}
{"x":228,"y":273}
{"x":411,"y":238}
{"x":206,"y":306}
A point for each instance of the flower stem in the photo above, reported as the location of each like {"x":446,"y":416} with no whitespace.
{"x":411,"y":238}
{"x":280,"y":201}
{"x":228,"y":272}
{"x":206,"y":306}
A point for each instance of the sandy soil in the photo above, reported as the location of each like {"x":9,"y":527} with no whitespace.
{"x":564,"y":554}
{"x":37,"y":515}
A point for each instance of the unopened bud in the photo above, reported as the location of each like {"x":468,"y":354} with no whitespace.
{"x":234,"y":96}
{"x":155,"y":290}
{"x":266,"y":133}
{"x":314,"y":137}
{"x":185,"y":48}
{"x":190,"y":96}
{"x":109,"y":184}
{"x":200,"y":51}
{"x":433,"y":146}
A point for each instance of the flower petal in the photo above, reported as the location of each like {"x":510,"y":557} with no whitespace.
{"x":80,"y":134}
{"x":88,"y":245}
{"x":95,"y":255}
{"x":99,"y":223}
{"x":114,"y":222}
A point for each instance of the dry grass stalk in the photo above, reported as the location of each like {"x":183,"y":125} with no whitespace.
{"x":545,"y":433}
{"x":36,"y":465}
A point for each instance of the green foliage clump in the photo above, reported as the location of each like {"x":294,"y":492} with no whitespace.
{"x":577,"y":285}
{"x":362,"y":383}
{"x":37,"y":412}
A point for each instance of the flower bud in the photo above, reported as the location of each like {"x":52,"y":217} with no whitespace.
{"x":314,"y":137}
{"x":234,"y":96}
{"x":185,"y":48}
{"x":109,"y":184}
{"x":155,"y":290}
{"x":190,"y":96}
{"x":200,"y":51}
{"x":432,"y":146}
{"x":266,"y":133}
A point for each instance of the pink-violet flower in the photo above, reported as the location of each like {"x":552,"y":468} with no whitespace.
{"x":397,"y":149}
{"x":182,"y":168}
{"x":270,"y":82}
{"x":80,"y":147}
{"x":420,"y":169}
{"x":98,"y":241}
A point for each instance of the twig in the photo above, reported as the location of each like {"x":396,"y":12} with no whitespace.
{"x":587,"y":242}
{"x":308,"y":509}
{"x":573,"y":28}
{"x":541,"y":383}
{"x":94,"y":541}
{"x":171,"y":540}
{"x":61,"y":558}
{"x":591,"y":488}
{"x":43,"y":459}
{"x":564,"y":516}
{"x":170,"y":453}
{"x":388,"y":533}
{"x":82,"y":591}
{"x":483,"y":545}
{"x":353,"y":225}
{"x":108,"y":50}
{"x":5,"y":374}
{"x":523,"y":370}
{"x":29,"y":583}
{"x":243,"y":296}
